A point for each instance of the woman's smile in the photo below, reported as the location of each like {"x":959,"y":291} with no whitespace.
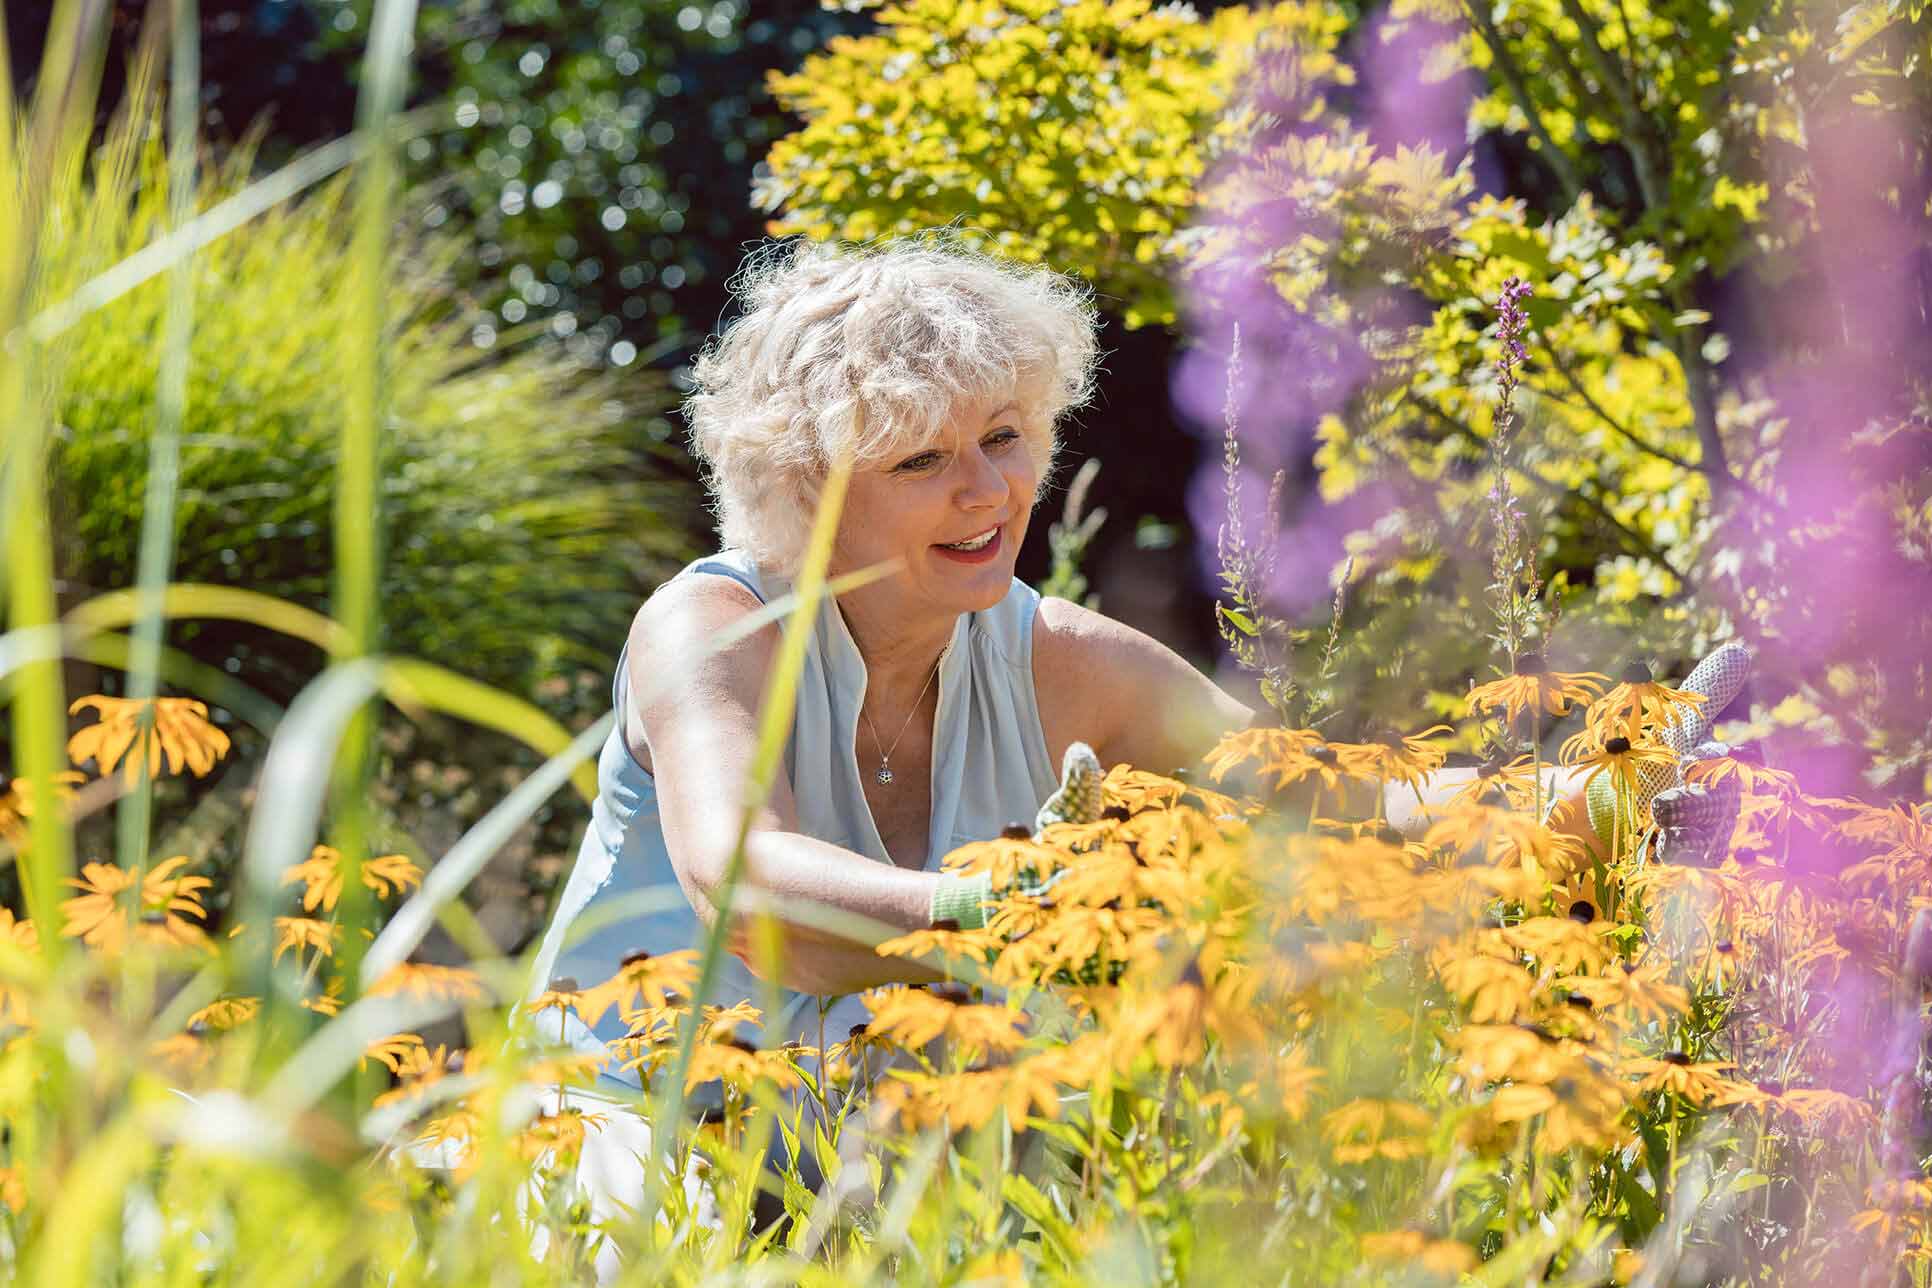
{"x":981,"y":548}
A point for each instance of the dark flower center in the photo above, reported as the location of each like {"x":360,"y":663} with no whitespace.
{"x":1678,"y":1058}
{"x":1583,"y":911}
{"x":1617,"y":746}
{"x":1324,"y":753}
{"x":1638,"y":673}
{"x":1532,"y":664}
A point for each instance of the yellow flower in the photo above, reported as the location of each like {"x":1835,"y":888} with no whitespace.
{"x":1495,"y":990}
{"x":1394,"y":758}
{"x":184,"y":1053}
{"x":1579,"y":1109}
{"x":13,"y":1190}
{"x":1534,"y":688}
{"x":429,"y":981}
{"x":1135,"y":790}
{"x":1267,"y":746}
{"x":226,"y":1013}
{"x":1695,"y":1080}
{"x":642,"y":980}
{"x":15,"y":1006}
{"x":103,"y":919}
{"x":178,"y":731}
{"x":329,"y":1000}
{"x":739,"y":1063}
{"x":321,"y":876}
{"x":1637,"y":701}
{"x":560,"y":1134}
{"x":16,"y":805}
{"x":1526,"y":1053}
{"x":1643,"y":993}
{"x":1558,"y":943}
{"x":304,"y":935}
{"x":1296,"y":1079}
{"x":912,"y":1017}
{"x":1617,"y":756}
{"x":1515,"y":779}
{"x":394,"y":1051}
{"x":1446,"y":1257}
{"x":1368,"y":1128}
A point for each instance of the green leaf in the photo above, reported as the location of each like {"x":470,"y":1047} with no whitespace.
{"x":1240,"y":621}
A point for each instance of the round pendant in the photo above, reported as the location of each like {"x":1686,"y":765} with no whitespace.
{"x":883,"y":777}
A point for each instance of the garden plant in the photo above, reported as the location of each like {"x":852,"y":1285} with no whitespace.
{"x":1222,"y":1022}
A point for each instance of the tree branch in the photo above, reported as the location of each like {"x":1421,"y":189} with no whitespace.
{"x":1519,"y":87}
{"x":1596,"y":408}
{"x":1624,"y":91}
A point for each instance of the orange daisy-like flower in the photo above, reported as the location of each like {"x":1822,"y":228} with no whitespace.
{"x":429,"y":981}
{"x":912,"y":1017}
{"x":321,"y":876}
{"x":1504,"y":835}
{"x":1697,"y":1081}
{"x":1135,"y":790}
{"x":1368,"y":1128}
{"x":1582,"y":1108}
{"x":642,"y":980}
{"x":17,"y":807}
{"x":1623,"y":760}
{"x":1395,"y":758}
{"x":106,"y":918}
{"x":174,"y":729}
{"x":1636,"y":701}
{"x":226,"y":1013}
{"x":1445,"y":1257}
{"x":1535,"y":688}
{"x":1261,"y":746}
{"x":306,"y":937}
{"x":15,"y":1008}
{"x":1643,"y":993}
{"x":735,"y":1061}
{"x":1514,"y":779}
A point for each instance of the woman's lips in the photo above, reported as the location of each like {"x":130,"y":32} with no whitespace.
{"x":982,"y":555}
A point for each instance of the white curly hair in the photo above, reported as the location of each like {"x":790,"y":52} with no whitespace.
{"x":864,"y":352}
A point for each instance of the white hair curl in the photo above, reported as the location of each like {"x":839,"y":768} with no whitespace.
{"x":863,"y":353}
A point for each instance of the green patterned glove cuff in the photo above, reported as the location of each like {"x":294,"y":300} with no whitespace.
{"x":962,"y":900}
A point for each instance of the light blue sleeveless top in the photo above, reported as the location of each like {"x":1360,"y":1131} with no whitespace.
{"x":990,"y":768}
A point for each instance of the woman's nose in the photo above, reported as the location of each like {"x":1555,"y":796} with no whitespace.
{"x":982,"y":485}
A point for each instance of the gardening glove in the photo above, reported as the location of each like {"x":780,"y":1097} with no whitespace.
{"x":964,"y":900}
{"x":1695,"y":820}
{"x":1720,"y":677}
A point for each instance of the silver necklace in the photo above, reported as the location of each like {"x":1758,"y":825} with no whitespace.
{"x":883,"y":774}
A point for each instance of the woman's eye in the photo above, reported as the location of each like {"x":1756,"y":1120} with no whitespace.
{"x":912,"y":464}
{"x":1001,"y":437}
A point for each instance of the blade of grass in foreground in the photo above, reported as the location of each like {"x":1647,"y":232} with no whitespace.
{"x":134,"y":819}
{"x":774,"y":728}
{"x":358,"y":501}
{"x":62,"y":114}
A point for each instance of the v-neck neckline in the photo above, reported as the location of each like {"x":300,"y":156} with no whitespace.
{"x":949,"y":663}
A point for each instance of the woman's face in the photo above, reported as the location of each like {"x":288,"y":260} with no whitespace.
{"x":955,"y":511}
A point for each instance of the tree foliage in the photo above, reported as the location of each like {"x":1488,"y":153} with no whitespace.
{"x":520,"y":517}
{"x":1723,"y":216}
{"x":1074,"y":134}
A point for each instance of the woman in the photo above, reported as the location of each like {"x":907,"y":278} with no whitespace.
{"x":935,"y":702}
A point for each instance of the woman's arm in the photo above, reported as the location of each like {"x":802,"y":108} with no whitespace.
{"x":698,"y":708}
{"x":1124,"y":693}
{"x":1136,"y":700}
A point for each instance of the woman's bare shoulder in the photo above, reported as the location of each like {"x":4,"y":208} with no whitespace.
{"x":681,"y":643}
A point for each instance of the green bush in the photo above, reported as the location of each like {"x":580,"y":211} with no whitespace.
{"x":523,"y":512}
